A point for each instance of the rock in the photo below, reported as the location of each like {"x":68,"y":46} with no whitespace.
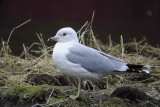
{"x":130,"y":93}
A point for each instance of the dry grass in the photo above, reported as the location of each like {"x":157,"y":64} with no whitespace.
{"x":15,"y":69}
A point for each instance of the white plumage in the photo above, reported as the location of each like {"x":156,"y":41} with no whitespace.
{"x":82,"y":62}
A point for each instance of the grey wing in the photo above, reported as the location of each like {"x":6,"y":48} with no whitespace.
{"x":93,"y":60}
{"x":111,"y":57}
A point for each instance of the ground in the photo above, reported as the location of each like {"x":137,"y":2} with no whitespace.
{"x":31,"y":79}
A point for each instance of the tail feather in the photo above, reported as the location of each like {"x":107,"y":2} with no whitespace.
{"x":138,"y":68}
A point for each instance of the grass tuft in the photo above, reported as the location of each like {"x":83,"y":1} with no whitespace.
{"x":14,"y":70}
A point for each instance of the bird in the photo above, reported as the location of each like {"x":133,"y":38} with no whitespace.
{"x":82,"y":62}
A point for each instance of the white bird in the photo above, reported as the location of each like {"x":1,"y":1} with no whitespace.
{"x":82,"y":62}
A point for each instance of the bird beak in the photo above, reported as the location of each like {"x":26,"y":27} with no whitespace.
{"x":53,"y":39}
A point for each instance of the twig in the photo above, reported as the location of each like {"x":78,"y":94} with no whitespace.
{"x":15,"y":29}
{"x":66,"y":91}
{"x":50,"y":97}
{"x":82,"y":28}
{"x":61,"y":102}
{"x":90,"y":30}
{"x":110,"y":41}
{"x":46,"y":102}
{"x":23,"y":53}
{"x":143,"y":48}
{"x":4,"y":88}
{"x":95,"y":41}
{"x":136,"y":46}
{"x":92,"y":19}
{"x":122,"y":46}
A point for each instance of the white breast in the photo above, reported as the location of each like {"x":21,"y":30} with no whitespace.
{"x":60,"y":60}
{"x":59,"y":55}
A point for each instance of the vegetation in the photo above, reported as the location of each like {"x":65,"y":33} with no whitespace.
{"x":27,"y":79}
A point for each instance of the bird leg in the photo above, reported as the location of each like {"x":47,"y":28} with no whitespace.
{"x":79,"y":90}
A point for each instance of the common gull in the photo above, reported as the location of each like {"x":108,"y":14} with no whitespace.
{"x":82,"y":62}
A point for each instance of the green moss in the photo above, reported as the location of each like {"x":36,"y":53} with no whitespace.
{"x":82,"y":101}
{"x":28,"y":93}
{"x":116,"y":102}
{"x":53,"y":101}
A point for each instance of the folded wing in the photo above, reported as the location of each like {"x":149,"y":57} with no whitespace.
{"x":93,"y":60}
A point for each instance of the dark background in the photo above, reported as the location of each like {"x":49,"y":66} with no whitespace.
{"x":130,"y":18}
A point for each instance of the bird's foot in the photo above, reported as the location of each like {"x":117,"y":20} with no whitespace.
{"x":74,"y":96}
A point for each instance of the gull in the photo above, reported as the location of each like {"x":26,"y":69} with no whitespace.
{"x":82,"y":62}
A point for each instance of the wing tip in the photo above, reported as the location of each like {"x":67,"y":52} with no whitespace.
{"x":139,"y":68}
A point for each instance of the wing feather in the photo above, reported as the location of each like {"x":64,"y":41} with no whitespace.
{"x":93,"y":60}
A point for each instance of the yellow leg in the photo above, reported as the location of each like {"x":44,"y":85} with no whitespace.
{"x":79,"y":90}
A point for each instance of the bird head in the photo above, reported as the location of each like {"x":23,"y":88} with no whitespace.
{"x":65,"y":35}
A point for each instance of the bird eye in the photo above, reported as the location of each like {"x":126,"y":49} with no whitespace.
{"x":64,"y":34}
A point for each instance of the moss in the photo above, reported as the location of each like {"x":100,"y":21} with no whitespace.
{"x":82,"y":101}
{"x":24,"y":94}
{"x":116,"y":102}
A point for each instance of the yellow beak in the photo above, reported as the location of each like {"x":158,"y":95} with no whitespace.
{"x":52,"y":39}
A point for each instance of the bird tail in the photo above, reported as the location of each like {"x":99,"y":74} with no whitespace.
{"x":138,"y":68}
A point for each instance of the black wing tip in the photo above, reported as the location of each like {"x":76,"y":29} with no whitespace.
{"x":138,"y":68}
{"x":132,"y":66}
